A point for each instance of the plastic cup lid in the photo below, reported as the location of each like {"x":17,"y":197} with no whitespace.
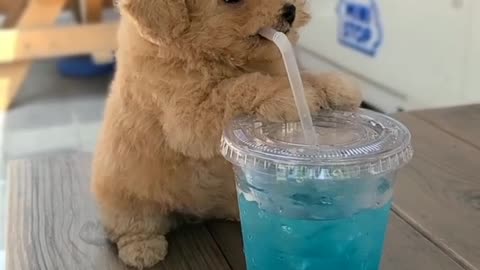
{"x":349,"y":145}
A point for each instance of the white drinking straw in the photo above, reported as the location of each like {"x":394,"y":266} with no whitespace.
{"x":285,"y":47}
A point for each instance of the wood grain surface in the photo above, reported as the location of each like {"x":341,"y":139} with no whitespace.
{"x":228,"y":236}
{"x":407,"y":249}
{"x":52,"y":223}
{"x":461,"y":122}
{"x":439,"y":191}
{"x":52,"y":220}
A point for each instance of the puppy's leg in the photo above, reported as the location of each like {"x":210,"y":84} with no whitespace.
{"x":214,"y":195}
{"x":227,"y":210}
{"x":340,"y":91}
{"x":200,"y":114}
{"x":139,"y":233}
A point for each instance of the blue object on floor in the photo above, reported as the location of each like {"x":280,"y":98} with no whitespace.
{"x":83,"y":66}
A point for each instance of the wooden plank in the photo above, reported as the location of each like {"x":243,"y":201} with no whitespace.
{"x":11,"y":78}
{"x":193,"y":248}
{"x":94,"y":10}
{"x":56,"y":41}
{"x":6,"y":4}
{"x":439,"y":191}
{"x":228,"y":236}
{"x":12,"y":10}
{"x":37,"y":13}
{"x":405,"y":248}
{"x":462,"y":122}
{"x":53,"y":224}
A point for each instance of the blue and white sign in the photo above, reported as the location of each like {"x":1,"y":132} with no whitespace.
{"x":359,"y":26}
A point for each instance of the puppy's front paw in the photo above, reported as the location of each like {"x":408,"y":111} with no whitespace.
{"x":280,"y":107}
{"x":142,"y":251}
{"x":340,"y":91}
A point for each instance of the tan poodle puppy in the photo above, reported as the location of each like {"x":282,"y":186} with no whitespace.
{"x":185,"y":68}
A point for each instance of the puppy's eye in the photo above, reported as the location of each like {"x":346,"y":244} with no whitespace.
{"x":232,"y":1}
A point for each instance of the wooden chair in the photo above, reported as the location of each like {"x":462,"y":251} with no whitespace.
{"x":29,"y":32}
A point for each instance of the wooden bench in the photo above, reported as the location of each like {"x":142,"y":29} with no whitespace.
{"x":435,"y":225}
{"x":29,"y":34}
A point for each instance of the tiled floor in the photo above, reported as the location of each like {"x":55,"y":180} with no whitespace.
{"x":52,"y":114}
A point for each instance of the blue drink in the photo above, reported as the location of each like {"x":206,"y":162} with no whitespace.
{"x":275,"y":242}
{"x":326,"y":225}
{"x":322,"y":207}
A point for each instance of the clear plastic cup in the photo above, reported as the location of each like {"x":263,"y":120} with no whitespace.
{"x":324,"y":206}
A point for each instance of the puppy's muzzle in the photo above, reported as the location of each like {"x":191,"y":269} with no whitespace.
{"x":289,"y":13}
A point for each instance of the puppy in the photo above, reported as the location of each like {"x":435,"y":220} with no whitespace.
{"x":185,"y":68}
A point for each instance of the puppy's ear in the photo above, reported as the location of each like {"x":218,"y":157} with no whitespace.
{"x":157,"y":20}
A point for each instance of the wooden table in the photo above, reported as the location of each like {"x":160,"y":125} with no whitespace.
{"x":52,"y":221}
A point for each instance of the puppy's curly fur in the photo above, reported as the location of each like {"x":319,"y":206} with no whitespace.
{"x":185,"y":68}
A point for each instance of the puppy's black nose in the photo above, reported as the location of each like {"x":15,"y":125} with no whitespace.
{"x":289,"y":13}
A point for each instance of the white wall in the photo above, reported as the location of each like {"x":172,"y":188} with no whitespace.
{"x":472,"y":85}
{"x":429,"y":55}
